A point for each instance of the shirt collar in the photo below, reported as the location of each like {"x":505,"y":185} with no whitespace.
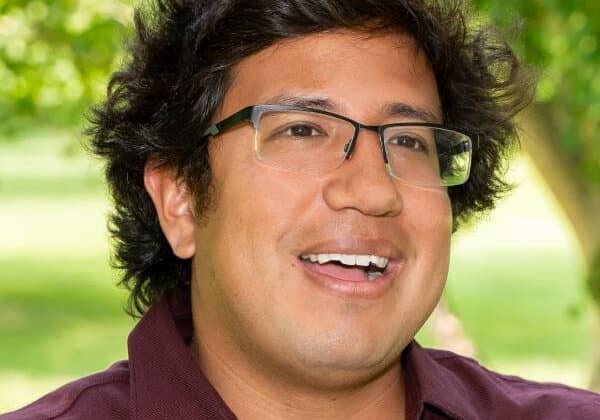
{"x":165,"y":381}
{"x":430,"y":383}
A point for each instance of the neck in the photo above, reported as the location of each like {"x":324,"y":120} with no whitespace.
{"x":252,"y":394}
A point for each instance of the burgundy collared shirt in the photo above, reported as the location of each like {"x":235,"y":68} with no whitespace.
{"x":161,"y":381}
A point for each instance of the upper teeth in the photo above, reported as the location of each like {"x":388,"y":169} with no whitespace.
{"x":348,"y":259}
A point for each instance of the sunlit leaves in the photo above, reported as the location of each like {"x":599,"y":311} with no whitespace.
{"x":561,"y":38}
{"x":55,"y":58}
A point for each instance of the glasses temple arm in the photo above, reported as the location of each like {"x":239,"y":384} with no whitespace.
{"x":242,"y":115}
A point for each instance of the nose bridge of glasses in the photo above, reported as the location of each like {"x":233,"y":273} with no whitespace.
{"x":350,"y":146}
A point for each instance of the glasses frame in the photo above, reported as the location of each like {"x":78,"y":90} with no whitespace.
{"x":253,"y":113}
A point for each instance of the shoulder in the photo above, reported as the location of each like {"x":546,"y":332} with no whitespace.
{"x":487,"y":391}
{"x":104,"y":395}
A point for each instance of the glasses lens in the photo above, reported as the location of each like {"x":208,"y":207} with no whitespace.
{"x":302,"y":141}
{"x":314,"y":143}
{"x":428,"y":156}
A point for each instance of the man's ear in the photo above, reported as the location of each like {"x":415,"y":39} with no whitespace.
{"x":174,"y":206}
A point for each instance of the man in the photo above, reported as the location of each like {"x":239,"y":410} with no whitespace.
{"x":287,"y":176}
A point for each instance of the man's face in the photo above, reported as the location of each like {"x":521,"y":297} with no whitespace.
{"x":254,"y":298}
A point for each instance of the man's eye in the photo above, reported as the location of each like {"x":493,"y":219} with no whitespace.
{"x":302,"y":130}
{"x":409,"y":142}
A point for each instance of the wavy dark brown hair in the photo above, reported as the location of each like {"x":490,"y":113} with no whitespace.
{"x":179,"y":69}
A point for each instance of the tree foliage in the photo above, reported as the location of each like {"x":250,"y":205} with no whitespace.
{"x":561,"y":39}
{"x":55,"y":58}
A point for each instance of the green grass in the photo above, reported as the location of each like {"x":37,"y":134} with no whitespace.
{"x":60,"y":316}
{"x":515,"y":280}
{"x":521,"y":304}
{"x":46,"y":166}
{"x":51,"y":187}
{"x":526,"y":312}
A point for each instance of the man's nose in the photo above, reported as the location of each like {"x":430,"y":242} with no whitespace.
{"x":362,"y":182}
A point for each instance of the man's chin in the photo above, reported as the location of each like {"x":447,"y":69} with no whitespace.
{"x":345,"y":364}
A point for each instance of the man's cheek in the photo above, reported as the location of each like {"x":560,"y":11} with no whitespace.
{"x":427,"y":213}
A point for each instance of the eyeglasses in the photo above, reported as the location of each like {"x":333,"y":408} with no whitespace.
{"x":316,"y":142}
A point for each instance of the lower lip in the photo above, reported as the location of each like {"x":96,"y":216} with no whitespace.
{"x":367,"y":289}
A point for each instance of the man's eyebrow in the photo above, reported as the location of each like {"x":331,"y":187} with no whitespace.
{"x":401,"y":109}
{"x":317,"y":102}
{"x":393,"y":109}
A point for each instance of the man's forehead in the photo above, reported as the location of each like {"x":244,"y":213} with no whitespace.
{"x":335,"y":47}
{"x":343,"y":72}
{"x":360,"y":37}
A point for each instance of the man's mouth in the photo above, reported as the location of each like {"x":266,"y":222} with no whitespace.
{"x":348,"y":267}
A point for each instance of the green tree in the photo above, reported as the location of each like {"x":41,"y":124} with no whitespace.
{"x":560,"y":38}
{"x":55,"y":58}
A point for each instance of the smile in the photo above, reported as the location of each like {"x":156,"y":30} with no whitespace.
{"x":350,"y":267}
{"x":352,"y":275}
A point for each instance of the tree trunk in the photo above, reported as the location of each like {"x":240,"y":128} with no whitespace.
{"x":580,"y":201}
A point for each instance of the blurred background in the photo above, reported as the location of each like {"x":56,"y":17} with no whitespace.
{"x":524,"y":286}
